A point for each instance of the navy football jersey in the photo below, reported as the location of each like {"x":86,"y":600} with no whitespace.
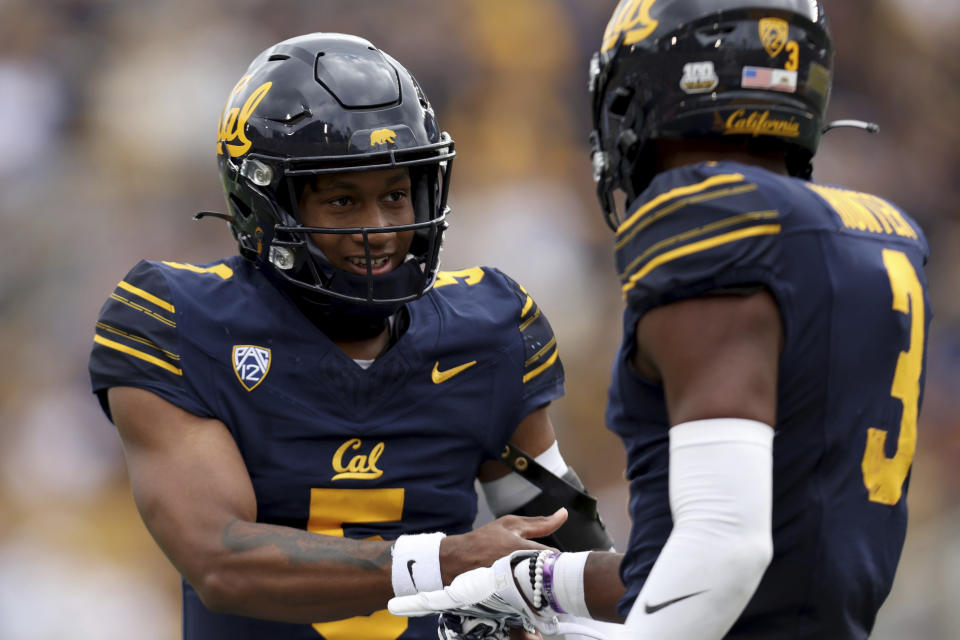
{"x":847,"y":272}
{"x":331,"y":447}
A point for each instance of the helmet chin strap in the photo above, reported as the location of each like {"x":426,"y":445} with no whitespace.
{"x":343,"y":320}
{"x":347,"y":319}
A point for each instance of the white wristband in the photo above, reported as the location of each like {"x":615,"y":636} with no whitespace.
{"x":568,"y":583}
{"x":555,"y":582}
{"x":416,"y":563}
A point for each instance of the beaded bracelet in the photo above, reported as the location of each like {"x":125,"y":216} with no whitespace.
{"x":547,"y":582}
{"x":536,"y":579}
{"x":541,"y":576}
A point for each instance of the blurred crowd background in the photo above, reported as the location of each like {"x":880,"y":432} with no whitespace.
{"x":108,"y":111}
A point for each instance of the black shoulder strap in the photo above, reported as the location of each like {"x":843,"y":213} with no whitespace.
{"x":559,"y":488}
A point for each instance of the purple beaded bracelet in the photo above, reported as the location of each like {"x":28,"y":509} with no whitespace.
{"x":548,"y":590}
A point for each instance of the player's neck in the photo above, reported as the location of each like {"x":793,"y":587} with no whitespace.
{"x":678,"y":154}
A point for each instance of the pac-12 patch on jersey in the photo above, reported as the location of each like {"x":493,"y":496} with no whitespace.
{"x":251,"y":364}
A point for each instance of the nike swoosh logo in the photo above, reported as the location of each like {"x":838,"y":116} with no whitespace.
{"x":410,"y":564}
{"x":653,"y":608}
{"x":442,"y":376}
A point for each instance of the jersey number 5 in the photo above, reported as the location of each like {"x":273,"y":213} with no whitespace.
{"x":330,"y":509}
{"x":883,"y":476}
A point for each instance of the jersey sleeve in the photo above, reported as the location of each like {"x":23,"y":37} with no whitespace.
{"x":696,"y":230}
{"x":137,"y":342}
{"x":542,"y":369}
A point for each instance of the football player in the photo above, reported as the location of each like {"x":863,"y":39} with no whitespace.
{"x":772,"y":366}
{"x":303,"y":422}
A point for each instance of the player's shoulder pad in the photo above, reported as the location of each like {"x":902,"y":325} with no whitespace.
{"x":695,"y":228}
{"x":137,"y":325}
{"x":490,"y":293}
{"x":540,"y":350}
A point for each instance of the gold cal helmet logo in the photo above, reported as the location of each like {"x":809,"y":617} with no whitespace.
{"x":382,"y":136}
{"x":231,"y":130}
{"x":773,"y":35}
{"x":632,"y":19}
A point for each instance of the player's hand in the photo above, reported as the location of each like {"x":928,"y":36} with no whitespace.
{"x":487,"y":592}
{"x":483,"y":546}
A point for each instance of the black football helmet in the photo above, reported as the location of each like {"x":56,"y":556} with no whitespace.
{"x":327,"y":103}
{"x":676,"y":69}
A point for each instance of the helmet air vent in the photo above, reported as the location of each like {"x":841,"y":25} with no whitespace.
{"x":621,"y":100}
{"x":357,"y":77}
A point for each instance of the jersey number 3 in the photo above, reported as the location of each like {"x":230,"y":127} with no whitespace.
{"x":883,"y":476}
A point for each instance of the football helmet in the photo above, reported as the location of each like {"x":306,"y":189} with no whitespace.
{"x":326,"y":103}
{"x":676,"y":69}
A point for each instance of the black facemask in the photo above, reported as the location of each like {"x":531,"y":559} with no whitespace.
{"x":348,"y":320}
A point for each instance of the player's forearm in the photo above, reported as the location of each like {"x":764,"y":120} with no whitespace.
{"x":602,"y":585}
{"x":285,"y":574}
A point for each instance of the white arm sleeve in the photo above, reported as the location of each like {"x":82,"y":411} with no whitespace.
{"x":721,"y":499}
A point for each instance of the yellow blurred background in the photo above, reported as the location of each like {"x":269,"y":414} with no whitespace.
{"x":108,"y":111}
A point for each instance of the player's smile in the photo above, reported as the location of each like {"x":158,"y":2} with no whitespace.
{"x":378,"y":265}
{"x":370,"y":199}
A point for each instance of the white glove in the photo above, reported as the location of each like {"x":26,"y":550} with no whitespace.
{"x":488,"y":592}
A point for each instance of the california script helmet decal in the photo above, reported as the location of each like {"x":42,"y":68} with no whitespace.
{"x":251,"y":364}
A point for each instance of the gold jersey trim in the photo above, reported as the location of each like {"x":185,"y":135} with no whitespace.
{"x":753,"y":216}
{"x":135,"y":338}
{"x":696,"y":247}
{"x":146,"y":357}
{"x":540,"y":353}
{"x":724,"y":178}
{"x":527,"y":377}
{"x":142,"y":309}
{"x":221,"y":269}
{"x":529,"y":321}
{"x":146,"y":295}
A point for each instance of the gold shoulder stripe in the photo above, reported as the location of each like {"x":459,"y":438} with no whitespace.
{"x":696,"y":247}
{"x":753,"y":216}
{"x":146,"y":357}
{"x":723,"y":178}
{"x":526,"y":306}
{"x":221,"y":269}
{"x":540,"y":353}
{"x":142,"y":309}
{"x":129,"y":336}
{"x":149,"y":297}
{"x":529,"y":321}
{"x":527,"y":377}
{"x":679,"y":204}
